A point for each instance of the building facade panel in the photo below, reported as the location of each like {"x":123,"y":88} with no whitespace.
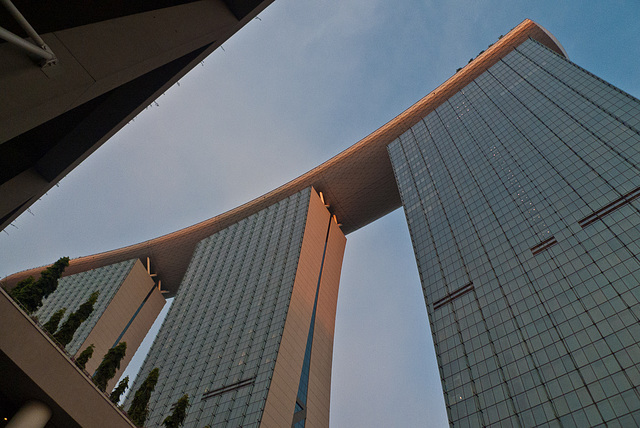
{"x":281,"y":400}
{"x":74,"y":290}
{"x":128,"y":318}
{"x":234,"y":338}
{"x":128,"y":304}
{"x":519,"y":193}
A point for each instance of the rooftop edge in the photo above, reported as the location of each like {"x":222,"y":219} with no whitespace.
{"x":349,"y":193}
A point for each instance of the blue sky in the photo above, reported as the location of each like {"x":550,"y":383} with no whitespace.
{"x":290,"y":90}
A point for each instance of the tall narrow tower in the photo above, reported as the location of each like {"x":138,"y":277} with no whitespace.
{"x":520,"y":191}
{"x":249,"y":336}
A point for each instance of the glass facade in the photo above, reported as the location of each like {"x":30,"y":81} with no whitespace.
{"x":221,"y":338}
{"x":520,"y":193}
{"x":74,"y":290}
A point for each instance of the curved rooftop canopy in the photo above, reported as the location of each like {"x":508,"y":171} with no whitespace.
{"x":358,"y":183}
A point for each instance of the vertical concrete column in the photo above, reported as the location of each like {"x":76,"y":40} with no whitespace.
{"x":33,"y":414}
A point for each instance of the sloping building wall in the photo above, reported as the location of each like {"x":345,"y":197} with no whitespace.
{"x":520,"y":195}
{"x":234,"y":338}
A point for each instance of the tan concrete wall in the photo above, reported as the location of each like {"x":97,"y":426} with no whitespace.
{"x":122,"y":307}
{"x":319,"y":393}
{"x":281,"y":399}
{"x":52,"y":377}
{"x":138,"y":330}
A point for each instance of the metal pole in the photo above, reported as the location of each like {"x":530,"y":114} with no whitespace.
{"x":24,"y":44}
{"x":38,"y":48}
{"x":23,"y":22}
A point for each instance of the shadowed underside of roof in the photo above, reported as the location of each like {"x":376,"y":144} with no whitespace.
{"x":112,"y":59}
{"x":358,"y":183}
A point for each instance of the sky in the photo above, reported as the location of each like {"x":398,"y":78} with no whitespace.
{"x":290,"y":90}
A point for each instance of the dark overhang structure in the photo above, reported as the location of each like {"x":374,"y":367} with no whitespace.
{"x":358,"y":183}
{"x":111,"y":60}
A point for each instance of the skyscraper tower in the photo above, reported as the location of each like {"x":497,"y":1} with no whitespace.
{"x":520,"y":194}
{"x":519,"y":181}
{"x":249,"y":335}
